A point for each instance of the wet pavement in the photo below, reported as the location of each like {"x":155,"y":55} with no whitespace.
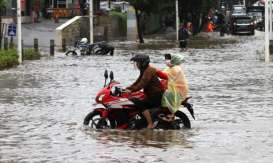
{"x":44,"y":31}
{"x":43,"y":104}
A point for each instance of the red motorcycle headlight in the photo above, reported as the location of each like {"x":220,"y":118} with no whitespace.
{"x":101,"y":97}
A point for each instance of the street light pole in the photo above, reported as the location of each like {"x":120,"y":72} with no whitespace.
{"x":266,"y":56}
{"x":109,"y":4}
{"x":19,"y":31}
{"x":270,"y":19}
{"x":177,"y":19}
{"x":91,"y":21}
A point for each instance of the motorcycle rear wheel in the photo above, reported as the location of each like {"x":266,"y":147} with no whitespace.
{"x":181,"y":121}
{"x":94,"y":120}
{"x":183,"y":118}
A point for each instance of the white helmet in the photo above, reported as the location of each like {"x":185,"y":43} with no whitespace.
{"x":84,"y":40}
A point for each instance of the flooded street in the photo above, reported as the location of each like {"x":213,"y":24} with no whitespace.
{"x":43,"y":104}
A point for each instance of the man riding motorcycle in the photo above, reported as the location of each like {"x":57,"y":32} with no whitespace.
{"x":122,"y":109}
{"x":150,"y":83}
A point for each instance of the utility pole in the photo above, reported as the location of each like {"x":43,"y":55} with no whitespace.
{"x":177,"y":19}
{"x":91,"y":21}
{"x":270,"y":19}
{"x":266,"y":56}
{"x":66,"y":4}
{"x":109,"y":4}
{"x":19,"y":31}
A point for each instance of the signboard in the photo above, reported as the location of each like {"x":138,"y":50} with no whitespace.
{"x":12,"y":30}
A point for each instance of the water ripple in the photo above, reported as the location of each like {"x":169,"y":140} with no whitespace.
{"x":43,"y":103}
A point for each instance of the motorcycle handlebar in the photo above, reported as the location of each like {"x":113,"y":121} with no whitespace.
{"x":119,"y":91}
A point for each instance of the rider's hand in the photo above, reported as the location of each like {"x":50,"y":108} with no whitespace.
{"x":127,"y":90}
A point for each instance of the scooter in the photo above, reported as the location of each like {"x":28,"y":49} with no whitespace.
{"x":117,"y":111}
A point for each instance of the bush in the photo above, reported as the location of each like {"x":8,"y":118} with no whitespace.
{"x":121,"y":15}
{"x":117,"y":9}
{"x":31,"y":54}
{"x":8,"y":58}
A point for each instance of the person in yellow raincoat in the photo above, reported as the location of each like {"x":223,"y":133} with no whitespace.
{"x":177,"y":85}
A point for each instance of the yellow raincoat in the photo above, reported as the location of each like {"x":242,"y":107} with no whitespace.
{"x":177,"y":89}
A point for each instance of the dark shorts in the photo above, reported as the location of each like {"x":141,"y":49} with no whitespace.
{"x":148,"y":103}
{"x":183,"y":43}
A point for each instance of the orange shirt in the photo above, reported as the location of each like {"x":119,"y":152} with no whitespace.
{"x":210,"y":27}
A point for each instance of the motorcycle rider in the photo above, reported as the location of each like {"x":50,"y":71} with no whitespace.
{"x":150,"y":83}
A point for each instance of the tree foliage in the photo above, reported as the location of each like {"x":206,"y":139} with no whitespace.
{"x":190,"y":10}
{"x":2,"y":3}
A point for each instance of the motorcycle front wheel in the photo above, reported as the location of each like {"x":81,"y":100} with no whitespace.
{"x":94,"y":120}
{"x":71,"y":52}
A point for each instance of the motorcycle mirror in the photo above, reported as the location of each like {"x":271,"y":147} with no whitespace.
{"x":105,"y":77}
{"x":111,"y":75}
{"x":106,"y":74}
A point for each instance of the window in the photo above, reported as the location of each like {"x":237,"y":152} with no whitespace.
{"x":61,"y":3}
{"x":58,"y":3}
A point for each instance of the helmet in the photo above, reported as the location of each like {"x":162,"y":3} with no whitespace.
{"x":84,"y":40}
{"x":142,"y":60}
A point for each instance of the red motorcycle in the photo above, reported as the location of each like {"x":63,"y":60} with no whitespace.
{"x":118,"y":111}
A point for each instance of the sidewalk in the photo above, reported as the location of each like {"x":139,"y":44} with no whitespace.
{"x":43,"y":31}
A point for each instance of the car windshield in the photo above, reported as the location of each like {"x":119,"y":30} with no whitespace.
{"x":239,"y":13}
{"x":243,"y":21}
{"x":239,"y":10}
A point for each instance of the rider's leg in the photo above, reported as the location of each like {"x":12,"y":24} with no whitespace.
{"x":153,"y":102}
{"x":142,"y":105}
{"x":112,"y":52}
{"x":148,"y":117}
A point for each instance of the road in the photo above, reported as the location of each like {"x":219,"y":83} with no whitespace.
{"x":43,"y":104}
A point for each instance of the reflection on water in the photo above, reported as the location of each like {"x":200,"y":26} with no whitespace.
{"x":142,"y":138}
{"x":43,"y":104}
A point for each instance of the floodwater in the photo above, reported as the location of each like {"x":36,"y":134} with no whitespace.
{"x":43,"y":104}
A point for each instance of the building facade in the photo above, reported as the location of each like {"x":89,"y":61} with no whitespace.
{"x":46,"y":8}
{"x":27,"y":6}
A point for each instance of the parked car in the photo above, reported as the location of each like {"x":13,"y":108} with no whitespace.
{"x":238,"y":10}
{"x":257,"y":13}
{"x":243,"y":25}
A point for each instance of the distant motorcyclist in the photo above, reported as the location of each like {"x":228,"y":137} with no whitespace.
{"x":150,"y":83}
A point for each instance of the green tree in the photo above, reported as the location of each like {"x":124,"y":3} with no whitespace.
{"x":143,"y":7}
{"x":139,"y":6}
{"x":196,"y":12}
{"x":2,"y":9}
{"x":190,"y":10}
